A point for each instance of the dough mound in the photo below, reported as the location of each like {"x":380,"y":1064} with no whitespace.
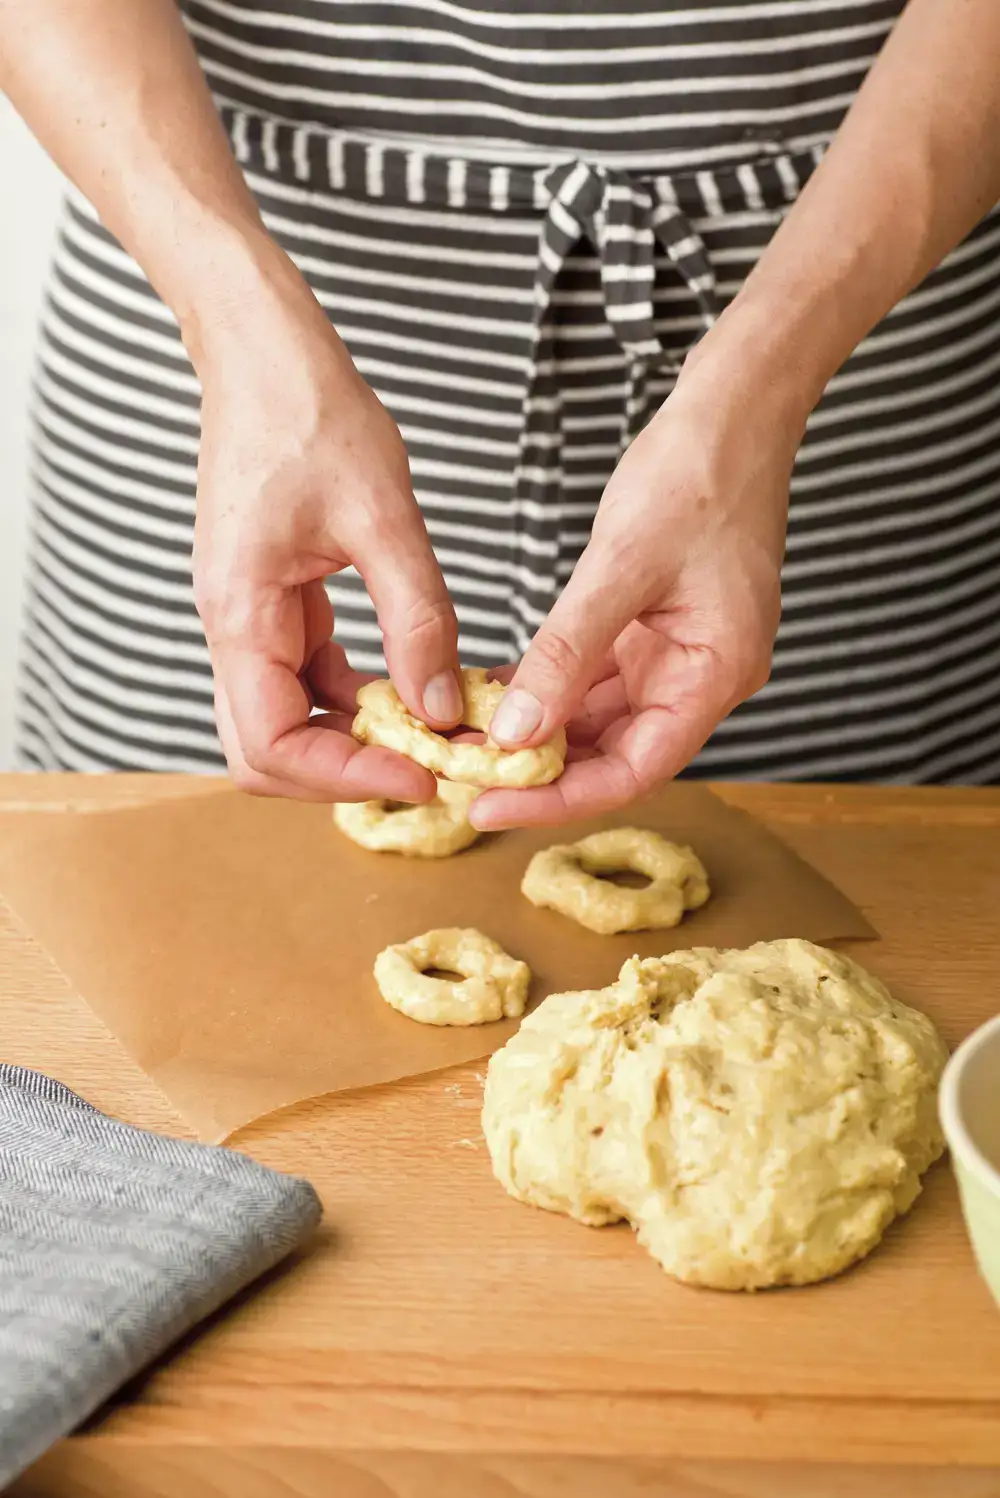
{"x":759,"y":1116}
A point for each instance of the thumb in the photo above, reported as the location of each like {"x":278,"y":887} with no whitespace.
{"x":416,"y":617}
{"x":569,"y":653}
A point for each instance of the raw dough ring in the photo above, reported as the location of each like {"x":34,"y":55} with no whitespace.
{"x":563,"y":878}
{"x":494,"y":985}
{"x":382,"y":719}
{"x":433,"y":831}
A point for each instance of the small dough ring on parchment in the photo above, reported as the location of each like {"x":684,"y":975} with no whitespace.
{"x":564,"y":878}
{"x":493,"y":985}
{"x":433,"y":831}
{"x":382,"y":719}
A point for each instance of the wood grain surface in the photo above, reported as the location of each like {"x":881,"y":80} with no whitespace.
{"x":439,"y":1339}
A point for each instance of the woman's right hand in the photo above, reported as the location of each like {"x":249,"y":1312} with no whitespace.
{"x":302,"y":473}
{"x":669,"y":617}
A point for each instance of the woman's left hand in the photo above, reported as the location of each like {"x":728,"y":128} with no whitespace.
{"x":669,"y":618}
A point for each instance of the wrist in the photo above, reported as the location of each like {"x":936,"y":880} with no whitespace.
{"x":745,"y":378}
{"x":765,"y":354}
{"x":243,"y":290}
{"x":810,"y":300}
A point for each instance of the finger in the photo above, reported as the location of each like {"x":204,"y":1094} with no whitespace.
{"x":284,"y":754}
{"x":333,"y":682}
{"x":242,"y":776}
{"x":317,"y":618}
{"x":607,"y":670}
{"x":240,"y":772}
{"x":577,"y":752}
{"x":605,"y":701}
{"x":647,"y":751}
{"x":635,"y":753}
{"x":586,"y":788}
{"x":332,"y":722}
{"x":416,"y":616}
{"x":569,"y":653}
{"x":328,"y":676}
{"x":257,"y":655}
{"x":604,"y":704}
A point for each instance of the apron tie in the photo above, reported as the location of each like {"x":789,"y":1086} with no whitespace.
{"x":620,"y":218}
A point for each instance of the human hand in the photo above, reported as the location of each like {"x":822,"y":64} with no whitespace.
{"x":668,"y":620}
{"x":303,"y":472}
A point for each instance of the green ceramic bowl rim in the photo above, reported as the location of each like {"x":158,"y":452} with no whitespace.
{"x":959,"y":1138}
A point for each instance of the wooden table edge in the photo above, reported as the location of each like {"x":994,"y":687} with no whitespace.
{"x":480,"y":1421}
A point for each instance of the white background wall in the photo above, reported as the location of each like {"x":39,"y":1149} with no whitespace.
{"x":29,"y":194}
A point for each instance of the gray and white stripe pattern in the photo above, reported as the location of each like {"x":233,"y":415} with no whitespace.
{"x":520,"y":223}
{"x":114,"y":1243}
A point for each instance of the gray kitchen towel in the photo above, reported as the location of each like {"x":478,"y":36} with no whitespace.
{"x":113,"y":1243}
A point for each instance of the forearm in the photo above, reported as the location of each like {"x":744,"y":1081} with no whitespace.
{"x":113,"y":90}
{"x":914,"y":167}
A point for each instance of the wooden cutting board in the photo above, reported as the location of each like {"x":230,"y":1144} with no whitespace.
{"x":442,"y":1340}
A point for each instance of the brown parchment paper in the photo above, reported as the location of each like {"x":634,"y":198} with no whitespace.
{"x":228,"y":942}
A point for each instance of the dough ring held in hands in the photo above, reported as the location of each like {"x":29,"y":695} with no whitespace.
{"x":433,"y":831}
{"x":491,"y":985}
{"x":565,"y":878}
{"x":382,"y":719}
{"x":759,"y":1116}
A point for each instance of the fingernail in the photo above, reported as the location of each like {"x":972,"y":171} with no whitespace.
{"x":443,"y":698}
{"x":517,"y":717}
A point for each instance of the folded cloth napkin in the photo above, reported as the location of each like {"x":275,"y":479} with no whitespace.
{"x":114,"y":1242}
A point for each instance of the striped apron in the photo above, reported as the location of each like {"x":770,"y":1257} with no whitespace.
{"x":520,"y":223}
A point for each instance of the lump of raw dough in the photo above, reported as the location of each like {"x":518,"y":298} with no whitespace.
{"x":759,"y":1116}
